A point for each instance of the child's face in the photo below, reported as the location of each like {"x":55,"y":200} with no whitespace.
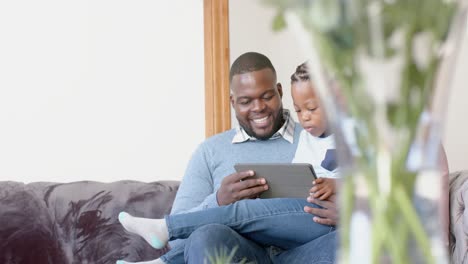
{"x":309,"y":109}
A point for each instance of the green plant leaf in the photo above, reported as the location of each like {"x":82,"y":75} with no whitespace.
{"x":279,"y":23}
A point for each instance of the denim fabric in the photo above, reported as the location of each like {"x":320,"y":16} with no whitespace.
{"x":257,"y":224}
{"x":213,"y":239}
{"x":176,"y":254}
{"x":318,"y":251}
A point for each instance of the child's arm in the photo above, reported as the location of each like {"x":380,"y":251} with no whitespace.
{"x":323,"y":188}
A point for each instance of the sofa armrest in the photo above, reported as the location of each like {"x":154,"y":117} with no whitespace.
{"x":458,"y":216}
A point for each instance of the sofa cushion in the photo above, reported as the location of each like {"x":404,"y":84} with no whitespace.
{"x":77,"y":222}
{"x":459,"y":217}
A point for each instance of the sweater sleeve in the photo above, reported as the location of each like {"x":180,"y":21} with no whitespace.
{"x":196,"y":191}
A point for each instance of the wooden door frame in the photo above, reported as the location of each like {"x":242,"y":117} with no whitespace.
{"x":216,"y":38}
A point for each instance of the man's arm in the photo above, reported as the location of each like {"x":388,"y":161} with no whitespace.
{"x":196,"y":190}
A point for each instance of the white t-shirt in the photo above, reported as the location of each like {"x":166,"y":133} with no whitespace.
{"x":312,"y":150}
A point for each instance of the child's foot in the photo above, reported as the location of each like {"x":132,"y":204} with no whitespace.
{"x":156,"y":261}
{"x":154,"y":231}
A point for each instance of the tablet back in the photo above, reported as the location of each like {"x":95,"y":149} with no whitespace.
{"x":285,"y":180}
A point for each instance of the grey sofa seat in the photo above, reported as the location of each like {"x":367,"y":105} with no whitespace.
{"x":77,"y":222}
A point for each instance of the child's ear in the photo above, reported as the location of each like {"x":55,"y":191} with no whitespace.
{"x":280,"y":89}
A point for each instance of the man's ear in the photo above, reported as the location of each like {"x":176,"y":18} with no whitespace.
{"x":280,"y":89}
{"x":231,"y":98}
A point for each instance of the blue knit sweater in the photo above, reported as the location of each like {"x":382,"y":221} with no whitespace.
{"x":214,"y":159}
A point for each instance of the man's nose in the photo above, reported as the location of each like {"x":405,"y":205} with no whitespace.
{"x":305,"y":115}
{"x":258,"y":105}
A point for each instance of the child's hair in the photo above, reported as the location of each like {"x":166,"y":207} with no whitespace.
{"x":302,"y":74}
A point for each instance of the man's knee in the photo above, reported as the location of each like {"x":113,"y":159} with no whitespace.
{"x":205,"y":241}
{"x":209,"y":234}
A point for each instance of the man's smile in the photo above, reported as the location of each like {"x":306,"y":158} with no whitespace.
{"x":261,"y":122}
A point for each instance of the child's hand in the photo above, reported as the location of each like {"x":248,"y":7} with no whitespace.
{"x":323,"y":188}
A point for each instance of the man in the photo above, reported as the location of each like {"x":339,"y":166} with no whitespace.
{"x":266,"y":134}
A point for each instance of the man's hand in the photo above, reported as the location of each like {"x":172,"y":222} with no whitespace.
{"x":328,"y":215}
{"x":238,"y":186}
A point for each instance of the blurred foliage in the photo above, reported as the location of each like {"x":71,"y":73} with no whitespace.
{"x":221,"y":256}
{"x":346,"y":30}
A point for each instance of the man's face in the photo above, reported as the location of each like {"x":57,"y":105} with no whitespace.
{"x":256,"y":99}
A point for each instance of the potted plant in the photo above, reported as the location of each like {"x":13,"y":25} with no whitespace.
{"x":385,"y":65}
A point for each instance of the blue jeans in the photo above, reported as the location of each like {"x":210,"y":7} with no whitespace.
{"x":253,"y":225}
{"x":321,"y":250}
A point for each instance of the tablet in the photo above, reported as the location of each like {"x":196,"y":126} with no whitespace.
{"x":285,"y":180}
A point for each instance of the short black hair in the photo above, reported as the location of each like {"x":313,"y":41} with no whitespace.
{"x":302,"y":74}
{"x":249,"y":62}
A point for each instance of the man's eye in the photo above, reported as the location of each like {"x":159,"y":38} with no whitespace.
{"x":297,"y":110}
{"x":246,"y":102}
{"x":312,"y":109}
{"x":268,"y":98}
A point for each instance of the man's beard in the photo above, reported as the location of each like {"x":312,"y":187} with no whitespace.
{"x":278,"y":122}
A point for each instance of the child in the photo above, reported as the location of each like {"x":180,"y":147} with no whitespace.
{"x":257,"y":219}
{"x":316,"y":144}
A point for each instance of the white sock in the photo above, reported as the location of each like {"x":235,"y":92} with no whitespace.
{"x":154,"y":231}
{"x":156,"y":261}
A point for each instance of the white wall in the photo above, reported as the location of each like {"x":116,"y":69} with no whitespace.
{"x":100,"y":89}
{"x":250,"y":30}
{"x":456,"y":125}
